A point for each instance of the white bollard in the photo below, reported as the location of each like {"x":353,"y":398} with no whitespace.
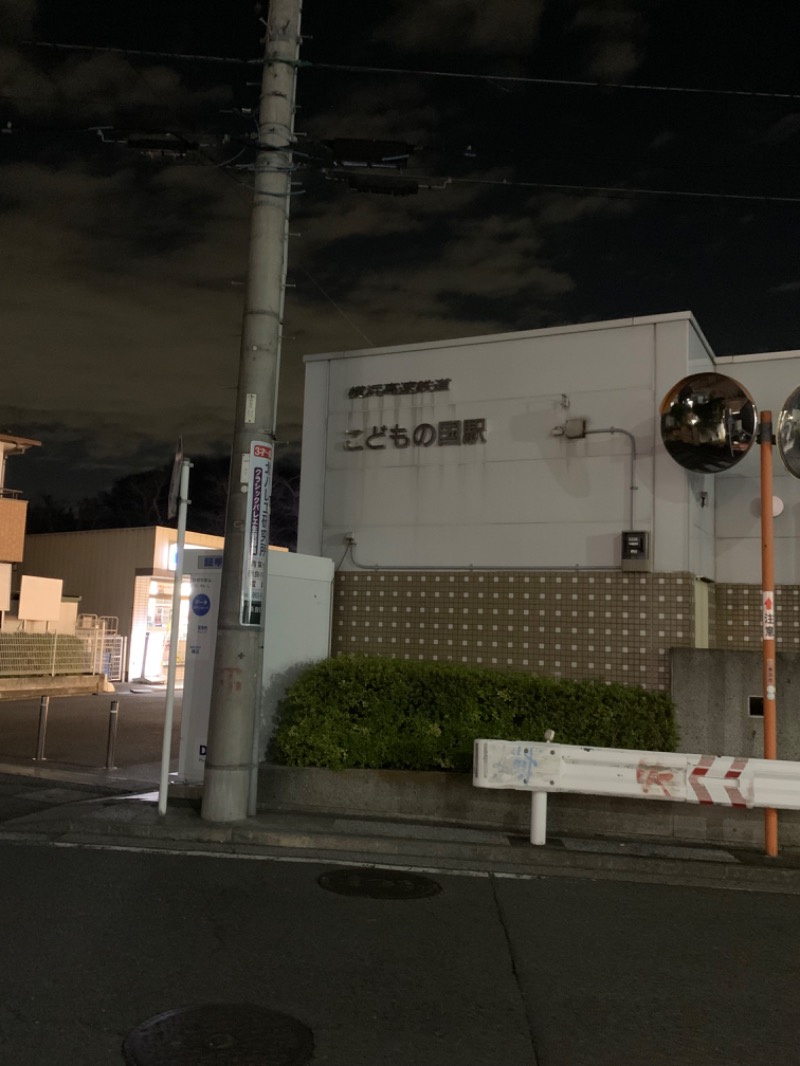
{"x":538,"y":818}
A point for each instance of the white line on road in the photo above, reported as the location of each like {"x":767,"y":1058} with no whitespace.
{"x":197,"y":853}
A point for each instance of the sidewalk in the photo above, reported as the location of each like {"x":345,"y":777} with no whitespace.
{"x":58,"y":809}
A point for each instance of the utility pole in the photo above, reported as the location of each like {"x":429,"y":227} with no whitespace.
{"x":231,"y":760}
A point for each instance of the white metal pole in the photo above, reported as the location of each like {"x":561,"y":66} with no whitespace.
{"x":538,"y":818}
{"x":174,"y":634}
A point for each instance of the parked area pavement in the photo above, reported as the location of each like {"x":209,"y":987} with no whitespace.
{"x":77,"y":733}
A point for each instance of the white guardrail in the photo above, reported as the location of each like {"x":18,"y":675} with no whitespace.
{"x":656,"y":775}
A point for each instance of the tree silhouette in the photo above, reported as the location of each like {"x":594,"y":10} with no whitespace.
{"x":141,"y":499}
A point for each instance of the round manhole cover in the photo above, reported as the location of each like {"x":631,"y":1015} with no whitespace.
{"x":379,"y":884}
{"x":225,"y":1034}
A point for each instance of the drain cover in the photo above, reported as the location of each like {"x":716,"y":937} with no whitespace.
{"x":379,"y":884}
{"x":224,"y":1034}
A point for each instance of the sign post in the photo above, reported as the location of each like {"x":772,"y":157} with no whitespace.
{"x":174,"y":633}
{"x":766,"y":440}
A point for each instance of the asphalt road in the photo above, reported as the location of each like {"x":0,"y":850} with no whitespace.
{"x":490,"y":972}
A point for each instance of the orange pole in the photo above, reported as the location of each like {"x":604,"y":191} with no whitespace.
{"x":768,"y":620}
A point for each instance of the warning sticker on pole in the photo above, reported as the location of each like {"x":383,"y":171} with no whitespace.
{"x":256,"y":541}
{"x":768,"y":615}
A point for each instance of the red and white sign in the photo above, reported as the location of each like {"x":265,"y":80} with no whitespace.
{"x":717,"y":779}
{"x":768,"y":615}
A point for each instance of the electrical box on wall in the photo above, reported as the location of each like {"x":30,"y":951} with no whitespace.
{"x":636,"y":550}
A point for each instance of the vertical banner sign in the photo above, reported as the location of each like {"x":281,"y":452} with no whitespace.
{"x":768,"y":633}
{"x":768,"y":614}
{"x":257,"y":533}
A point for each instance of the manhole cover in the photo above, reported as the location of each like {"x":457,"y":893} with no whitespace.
{"x":219,"y":1035}
{"x":379,"y":884}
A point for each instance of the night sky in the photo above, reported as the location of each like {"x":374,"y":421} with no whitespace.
{"x":122,"y":276}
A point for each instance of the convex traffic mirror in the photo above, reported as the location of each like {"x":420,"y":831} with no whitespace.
{"x":708,"y":422}
{"x":789,"y":433}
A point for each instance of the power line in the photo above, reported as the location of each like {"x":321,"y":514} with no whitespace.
{"x":564,"y":82}
{"x":344,"y":315}
{"x":144,"y":53}
{"x":512,"y":79}
{"x":626,"y":191}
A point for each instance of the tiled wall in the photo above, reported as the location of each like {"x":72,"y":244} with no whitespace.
{"x":604,"y":625}
{"x":738,"y":617}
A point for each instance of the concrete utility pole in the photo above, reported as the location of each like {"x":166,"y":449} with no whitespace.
{"x":236,"y":695}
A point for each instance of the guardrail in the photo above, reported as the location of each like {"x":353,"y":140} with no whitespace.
{"x":540,"y":768}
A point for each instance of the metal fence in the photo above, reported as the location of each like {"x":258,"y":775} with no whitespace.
{"x":108,"y":648}
{"x":44,"y":654}
{"x":108,"y":654}
{"x":47,"y":654}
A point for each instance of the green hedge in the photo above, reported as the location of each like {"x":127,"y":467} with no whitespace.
{"x":394,"y":714}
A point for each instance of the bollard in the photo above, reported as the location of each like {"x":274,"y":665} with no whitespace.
{"x":44,"y":704}
{"x":113,"y":715}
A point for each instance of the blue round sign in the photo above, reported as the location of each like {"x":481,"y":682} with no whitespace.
{"x":201,"y":604}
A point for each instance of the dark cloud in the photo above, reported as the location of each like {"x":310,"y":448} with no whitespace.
{"x":613,"y":34}
{"x":16,"y":18}
{"x":123,"y":275}
{"x":463,"y":26}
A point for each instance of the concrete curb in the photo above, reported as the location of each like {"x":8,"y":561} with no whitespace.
{"x":134,"y":824}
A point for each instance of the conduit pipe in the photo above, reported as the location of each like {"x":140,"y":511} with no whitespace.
{"x":632,"y":439}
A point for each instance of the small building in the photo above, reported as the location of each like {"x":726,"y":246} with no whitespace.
{"x":125,"y":581}
{"x":507,"y":500}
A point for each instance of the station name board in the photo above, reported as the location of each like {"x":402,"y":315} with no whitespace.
{"x":453,"y":431}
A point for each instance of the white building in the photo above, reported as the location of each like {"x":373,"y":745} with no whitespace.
{"x":124,"y":580}
{"x":476,"y":522}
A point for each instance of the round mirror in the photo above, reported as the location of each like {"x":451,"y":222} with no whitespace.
{"x":789,"y":433}
{"x":708,"y":422}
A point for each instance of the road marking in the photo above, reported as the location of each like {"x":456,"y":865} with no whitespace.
{"x":272,"y":858}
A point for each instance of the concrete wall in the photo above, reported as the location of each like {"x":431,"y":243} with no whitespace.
{"x":452,"y":798}
{"x":524,"y":497}
{"x":711,"y":688}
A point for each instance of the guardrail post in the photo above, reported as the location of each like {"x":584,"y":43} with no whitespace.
{"x":44,"y":704}
{"x":113,"y":716}
{"x":538,"y":817}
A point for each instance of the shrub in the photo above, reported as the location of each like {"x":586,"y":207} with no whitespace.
{"x":394,"y":714}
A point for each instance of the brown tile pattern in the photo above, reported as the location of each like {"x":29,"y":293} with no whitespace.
{"x":604,"y":625}
{"x":738,"y":614}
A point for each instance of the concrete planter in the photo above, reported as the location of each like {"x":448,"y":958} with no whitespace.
{"x":451,"y":798}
